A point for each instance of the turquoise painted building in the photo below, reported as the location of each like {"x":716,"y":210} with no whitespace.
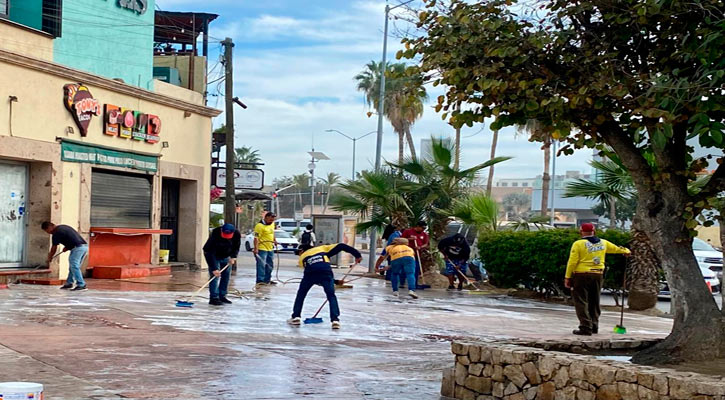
{"x":111,"y":38}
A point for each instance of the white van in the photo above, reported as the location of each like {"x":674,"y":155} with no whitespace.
{"x":289,"y":224}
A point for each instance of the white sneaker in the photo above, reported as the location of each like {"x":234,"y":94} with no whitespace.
{"x":395,"y":294}
{"x":412,"y":294}
{"x":295,"y":321}
{"x":335,"y":324}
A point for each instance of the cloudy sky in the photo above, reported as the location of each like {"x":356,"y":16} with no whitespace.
{"x":294,"y":63}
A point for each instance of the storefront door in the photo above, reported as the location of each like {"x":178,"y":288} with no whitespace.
{"x":13,"y":189}
{"x":170,"y":216}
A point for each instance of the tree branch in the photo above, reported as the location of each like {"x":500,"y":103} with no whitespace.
{"x":629,"y":154}
{"x":715,"y":185}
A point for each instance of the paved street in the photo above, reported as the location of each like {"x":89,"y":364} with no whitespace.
{"x":126,"y":339}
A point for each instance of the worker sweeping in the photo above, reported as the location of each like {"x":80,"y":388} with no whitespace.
{"x":221,"y":249}
{"x":402,"y":259}
{"x":317,"y":271}
{"x":584,"y":273}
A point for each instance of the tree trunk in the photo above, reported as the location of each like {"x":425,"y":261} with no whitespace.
{"x":489,"y":185}
{"x":401,"y":147}
{"x":721,"y":222}
{"x":411,"y":145}
{"x":642,"y":275}
{"x":698,"y":331}
{"x":612,"y":213}
{"x":457,"y":160}
{"x":546,"y":178}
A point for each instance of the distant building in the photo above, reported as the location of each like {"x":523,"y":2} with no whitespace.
{"x":516,"y":182}
{"x":426,"y":147}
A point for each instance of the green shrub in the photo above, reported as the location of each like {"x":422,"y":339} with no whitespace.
{"x":537,"y":260}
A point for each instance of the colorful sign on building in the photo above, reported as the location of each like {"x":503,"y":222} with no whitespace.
{"x":80,"y":102}
{"x":140,"y":6}
{"x":130,"y":124}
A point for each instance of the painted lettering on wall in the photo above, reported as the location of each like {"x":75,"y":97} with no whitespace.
{"x":130,"y":124}
{"x":140,"y":6}
{"x":79,"y":101}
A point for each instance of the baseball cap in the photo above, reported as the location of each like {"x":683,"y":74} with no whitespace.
{"x":228,"y":231}
{"x":587,"y":227}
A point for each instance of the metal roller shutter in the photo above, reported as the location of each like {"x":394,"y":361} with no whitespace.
{"x":120,"y":200}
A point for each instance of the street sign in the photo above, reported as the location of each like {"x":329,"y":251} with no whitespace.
{"x":299,"y":216}
{"x":244,"y":178}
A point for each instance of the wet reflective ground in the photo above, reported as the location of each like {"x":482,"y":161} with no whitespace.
{"x":127,"y":339}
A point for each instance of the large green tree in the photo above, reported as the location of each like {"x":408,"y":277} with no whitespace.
{"x":644,"y":77}
{"x":404,"y":98}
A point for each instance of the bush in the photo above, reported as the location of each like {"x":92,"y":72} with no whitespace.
{"x":537,"y":260}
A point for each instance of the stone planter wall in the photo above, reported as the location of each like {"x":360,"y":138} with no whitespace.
{"x":485,"y":371}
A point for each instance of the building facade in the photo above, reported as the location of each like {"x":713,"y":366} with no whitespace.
{"x":129,"y":168}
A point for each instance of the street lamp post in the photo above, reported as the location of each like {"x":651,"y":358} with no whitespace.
{"x":553,"y":184}
{"x":354,"y":141}
{"x":379,"y":144}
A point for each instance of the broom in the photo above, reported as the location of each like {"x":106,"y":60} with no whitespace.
{"x":316,"y":320}
{"x":620,"y":329}
{"x":188,"y":303}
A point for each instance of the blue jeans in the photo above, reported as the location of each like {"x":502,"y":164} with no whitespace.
{"x":218,"y":287}
{"x":403,"y":265}
{"x":75,"y":260}
{"x":324,"y":279}
{"x":265,"y":266}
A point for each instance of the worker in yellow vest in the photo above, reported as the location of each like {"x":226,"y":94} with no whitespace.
{"x":584,"y":276}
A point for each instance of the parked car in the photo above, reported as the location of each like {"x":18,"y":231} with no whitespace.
{"x":285,"y":241}
{"x":289,"y":224}
{"x":710,"y":262}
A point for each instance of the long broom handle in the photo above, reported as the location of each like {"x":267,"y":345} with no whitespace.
{"x":208,"y":282}
{"x":341,"y":280}
{"x":624,"y":286}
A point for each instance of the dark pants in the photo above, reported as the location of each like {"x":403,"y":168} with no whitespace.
{"x":218,"y":287}
{"x":585,"y":291}
{"x":323,"y":278}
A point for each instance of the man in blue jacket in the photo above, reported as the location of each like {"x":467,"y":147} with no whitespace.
{"x":221,"y":249}
{"x":316,"y":262}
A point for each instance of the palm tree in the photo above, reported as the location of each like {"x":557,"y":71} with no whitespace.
{"x":438,"y":186}
{"x":537,"y":133}
{"x":331,"y":181}
{"x":489,"y":184}
{"x":378,"y":198}
{"x":302,"y":184}
{"x":614,"y":184}
{"x":478,"y":210}
{"x":247,"y":156}
{"x":404,"y":98}
{"x":515,"y":204}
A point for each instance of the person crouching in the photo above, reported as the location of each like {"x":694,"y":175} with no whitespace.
{"x":316,"y":262}
{"x":402,"y":260}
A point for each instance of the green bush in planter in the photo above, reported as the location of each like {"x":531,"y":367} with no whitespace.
{"x":537,"y":260}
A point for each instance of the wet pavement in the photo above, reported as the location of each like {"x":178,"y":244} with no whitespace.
{"x":127,"y":339}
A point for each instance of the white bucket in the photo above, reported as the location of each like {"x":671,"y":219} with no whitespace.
{"x":21,"y":391}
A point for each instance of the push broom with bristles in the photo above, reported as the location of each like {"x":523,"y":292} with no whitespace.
{"x":620,"y":329}
{"x":317,"y":320}
{"x":188,"y":303}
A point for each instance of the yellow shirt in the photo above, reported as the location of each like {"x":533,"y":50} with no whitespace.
{"x":396,"y":251}
{"x":265,"y":234}
{"x":315,"y":255}
{"x":587,"y":257}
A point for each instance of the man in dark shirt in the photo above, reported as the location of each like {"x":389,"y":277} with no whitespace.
{"x":316,"y":262}
{"x":221,"y":249}
{"x":73,"y":242}
{"x":456,"y":253}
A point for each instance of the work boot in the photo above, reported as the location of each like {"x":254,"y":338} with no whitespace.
{"x":215,"y":302}
{"x":78,"y":289}
{"x":412,"y":294}
{"x":335,"y":324}
{"x":67,"y":286}
{"x":395,"y":294}
{"x":451,"y":287}
{"x":460,"y":286}
{"x":295,"y":321}
{"x":224,"y":300}
{"x":595,"y":329}
{"x":271,"y":283}
{"x":581,"y":332}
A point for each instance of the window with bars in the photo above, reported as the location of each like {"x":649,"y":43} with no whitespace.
{"x":3,"y":8}
{"x":52,"y":16}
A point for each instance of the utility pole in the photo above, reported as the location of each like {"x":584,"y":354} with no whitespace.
{"x":553,"y":183}
{"x":230,"y":202}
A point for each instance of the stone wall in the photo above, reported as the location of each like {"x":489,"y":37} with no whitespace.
{"x":485,"y":371}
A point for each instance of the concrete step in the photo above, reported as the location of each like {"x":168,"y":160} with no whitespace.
{"x":12,"y":275}
{"x":43,"y":281}
{"x":130,"y":271}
